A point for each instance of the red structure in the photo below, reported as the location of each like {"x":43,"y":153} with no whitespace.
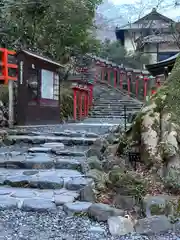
{"x":145,"y":79}
{"x":132,"y":81}
{"x":6,"y":66}
{"x":124,"y":78}
{"x":81,"y":98}
{"x":121,"y":73}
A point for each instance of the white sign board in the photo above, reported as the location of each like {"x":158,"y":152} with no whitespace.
{"x":47,"y":84}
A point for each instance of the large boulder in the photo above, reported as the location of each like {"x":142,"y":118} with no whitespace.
{"x":157,"y":205}
{"x":153,"y":225}
{"x":119,"y":226}
{"x":157,"y":130}
{"x":101,"y":212}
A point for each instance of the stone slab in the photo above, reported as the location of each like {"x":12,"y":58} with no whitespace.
{"x":61,"y":163}
{"x":76,"y":207}
{"x":40,"y":161}
{"x":44,"y":139}
{"x":76,"y":134}
{"x":56,"y":145}
{"x":78,"y":183}
{"x":37,"y":200}
{"x":101,"y":212}
{"x":43,"y":179}
{"x":40,"y":149}
{"x":153,"y":224}
{"x":63,"y":199}
{"x":38,"y":205}
{"x":8,"y":203}
{"x":68,"y":153}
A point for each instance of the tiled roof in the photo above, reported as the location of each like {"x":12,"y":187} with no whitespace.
{"x":159,"y":39}
{"x":35,"y":55}
{"x":151,"y":20}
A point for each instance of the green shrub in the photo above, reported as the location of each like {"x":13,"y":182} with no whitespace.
{"x":66,"y":101}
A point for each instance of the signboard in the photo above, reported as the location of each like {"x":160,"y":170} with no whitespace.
{"x":47,"y":82}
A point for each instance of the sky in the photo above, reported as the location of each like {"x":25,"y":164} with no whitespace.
{"x":122,"y":1}
{"x":172,"y":12}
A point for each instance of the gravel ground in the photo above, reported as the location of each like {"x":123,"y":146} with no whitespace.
{"x":18,"y":225}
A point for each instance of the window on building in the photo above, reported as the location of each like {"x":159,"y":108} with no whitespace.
{"x":134,"y":35}
{"x":56,"y":87}
{"x":32,"y":83}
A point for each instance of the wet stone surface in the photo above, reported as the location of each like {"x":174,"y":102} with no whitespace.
{"x":45,"y":139}
{"x":46,"y":196}
{"x":51,"y":178}
{"x":40,"y":161}
{"x":31,"y":199}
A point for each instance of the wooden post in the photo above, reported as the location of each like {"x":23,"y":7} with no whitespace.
{"x":11,"y":103}
{"x":115,"y":77}
{"x":87,"y":103}
{"x":75,"y":103}
{"x":102,"y":73}
{"x":145,"y":87}
{"x":128,"y":83}
{"x":109,"y":75}
{"x":90,"y":95}
{"x":137,"y":78}
{"x":80,"y":103}
{"x":121,"y":79}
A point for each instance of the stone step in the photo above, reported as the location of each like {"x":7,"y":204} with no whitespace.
{"x":76,"y":134}
{"x":28,"y":199}
{"x":44,"y":139}
{"x":41,"y":161}
{"x":57,"y":151}
{"x":44,"y":179}
{"x":66,"y":133}
{"x":121,"y":114}
{"x":107,"y":116}
{"x":116,"y":106}
{"x":122,"y":103}
{"x":111,"y":111}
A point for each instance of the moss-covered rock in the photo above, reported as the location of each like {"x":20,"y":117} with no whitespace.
{"x":100,"y":178}
{"x":157,"y":205}
{"x":171,"y":180}
{"x":128,"y":183}
{"x":94,"y":163}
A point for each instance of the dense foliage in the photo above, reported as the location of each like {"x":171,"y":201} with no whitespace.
{"x":115,"y":52}
{"x":49,"y":26}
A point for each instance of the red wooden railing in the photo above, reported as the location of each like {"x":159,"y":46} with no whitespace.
{"x":138,"y":84}
{"x":136,"y":81}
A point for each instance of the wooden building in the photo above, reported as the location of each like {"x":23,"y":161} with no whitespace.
{"x":38,"y":89}
{"x":162,"y":67}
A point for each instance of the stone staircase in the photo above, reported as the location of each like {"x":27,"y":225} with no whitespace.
{"x":44,"y":167}
{"x":110,"y":103}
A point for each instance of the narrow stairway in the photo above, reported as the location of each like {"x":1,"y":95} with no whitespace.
{"x":110,"y":103}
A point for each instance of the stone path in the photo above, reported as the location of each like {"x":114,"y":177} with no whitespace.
{"x":48,"y":169}
{"x":43,"y":166}
{"x":44,"y":187}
